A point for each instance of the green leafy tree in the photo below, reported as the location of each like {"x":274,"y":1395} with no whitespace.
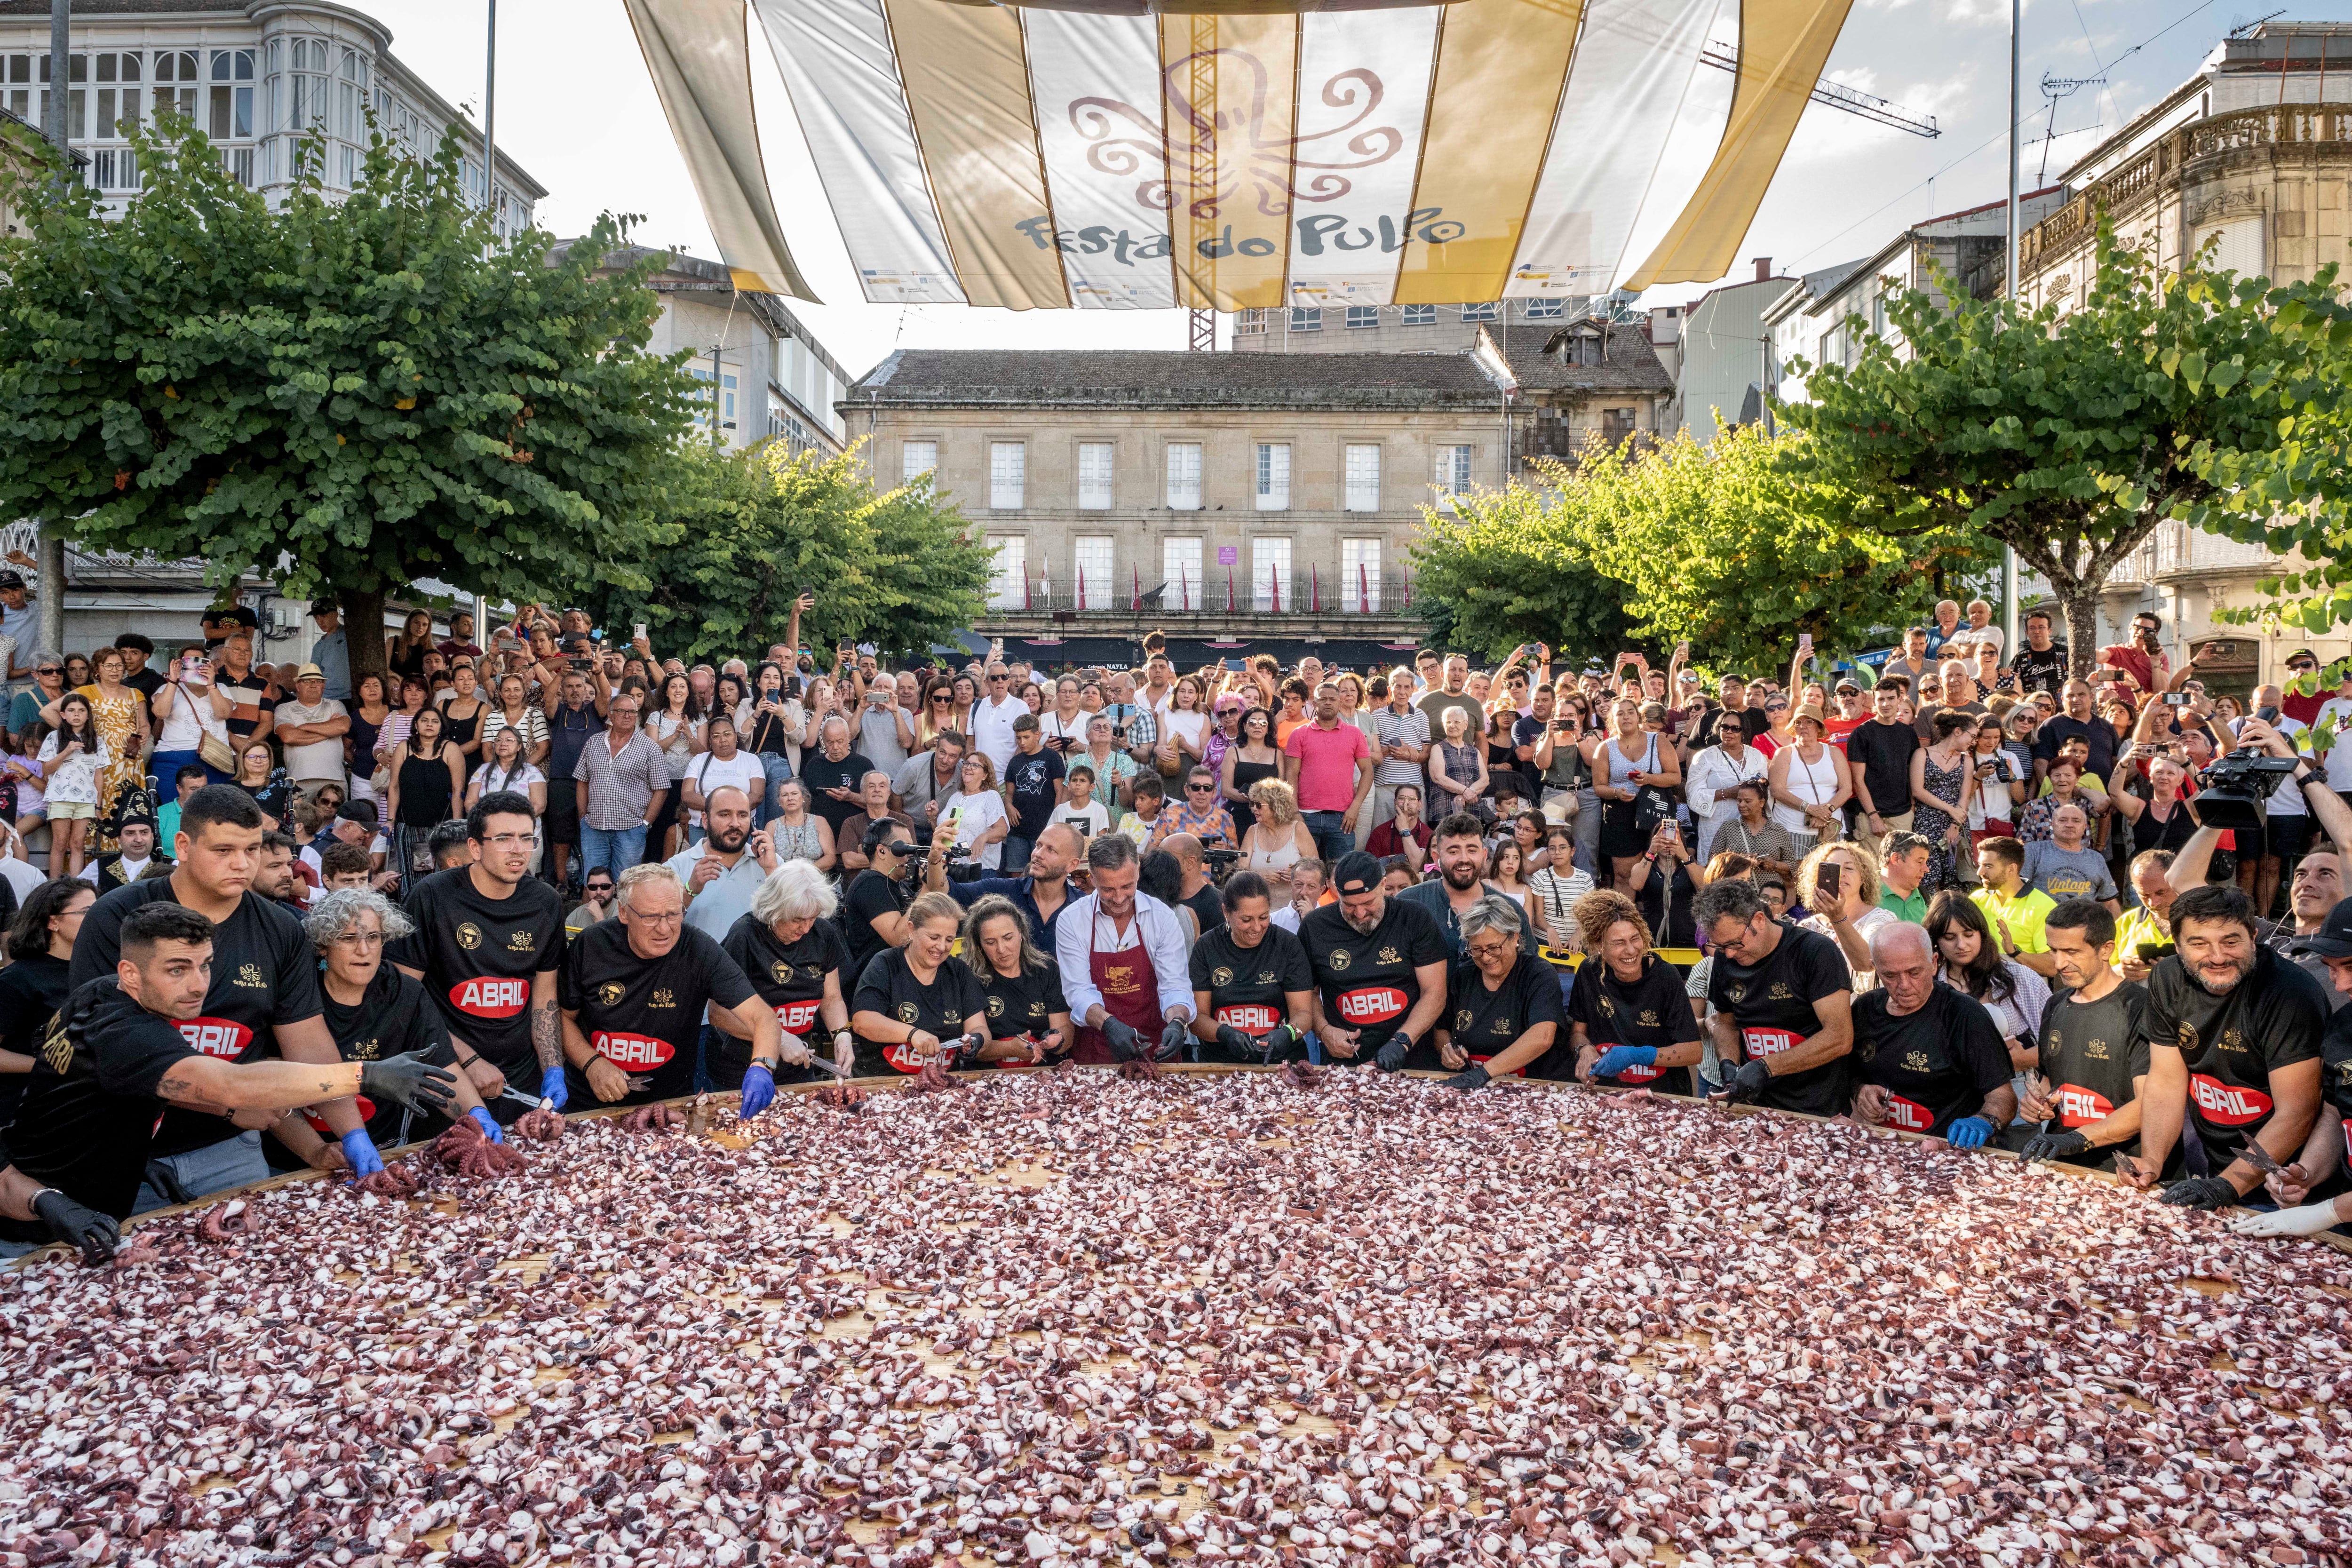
{"x":346,"y":395}
{"x":2068,"y":437}
{"x":758,"y":527}
{"x":1504,"y":569}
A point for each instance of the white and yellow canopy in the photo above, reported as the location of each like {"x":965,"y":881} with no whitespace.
{"x":1135,"y":154}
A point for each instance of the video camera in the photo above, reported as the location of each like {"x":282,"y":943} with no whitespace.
{"x":2236,"y":788}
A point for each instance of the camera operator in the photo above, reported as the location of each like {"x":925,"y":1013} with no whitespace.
{"x":1196,"y":892}
{"x":1041,"y":894}
{"x":878,"y":896}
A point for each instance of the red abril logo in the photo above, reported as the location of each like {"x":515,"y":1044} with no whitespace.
{"x":486,"y":996}
{"x":633,"y":1052}
{"x":1372,"y":1004}
{"x":2223,"y":1104}
{"x":1908,"y":1114}
{"x":906,"y":1058}
{"x":216,"y":1037}
{"x":319,"y":1123}
{"x":1250,"y":1017}
{"x":1634,"y":1074}
{"x":2079,"y":1107}
{"x":1769,"y":1042}
{"x":797,"y":1015}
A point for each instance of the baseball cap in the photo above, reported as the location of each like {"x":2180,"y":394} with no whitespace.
{"x":1356,"y":873}
{"x":360,"y":811}
{"x":2334,"y":938}
{"x":1843,"y":686}
{"x":11,"y":580}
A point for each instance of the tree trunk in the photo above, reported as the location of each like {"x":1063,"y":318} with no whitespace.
{"x":363,"y":634}
{"x":2081,"y":602}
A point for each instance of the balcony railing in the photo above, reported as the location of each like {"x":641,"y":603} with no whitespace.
{"x":1340,"y":592}
{"x":2244,"y":129}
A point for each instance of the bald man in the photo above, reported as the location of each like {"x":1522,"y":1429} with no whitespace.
{"x":1199,"y":894}
{"x":1041,"y":894}
{"x":1928,"y":1058}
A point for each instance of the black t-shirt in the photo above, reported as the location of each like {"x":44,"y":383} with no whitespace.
{"x":1937,"y":1064}
{"x":88,"y":1122}
{"x":2098,"y":734}
{"x":1882,"y":752}
{"x":1368,"y":982}
{"x":644,"y":1015}
{"x":872,"y":896}
{"x":2091,"y":1052}
{"x":818,"y":775}
{"x":2272,"y":1019}
{"x":1246,"y":985}
{"x":1665,"y":900}
{"x":2336,"y":1073}
{"x":1208,"y":907}
{"x":1024,"y":1004}
{"x":889,"y":987}
{"x":31,"y":992}
{"x":790,"y":979}
{"x":2043,"y":671}
{"x":1483,"y":1023}
{"x":392,"y":1019}
{"x":1033,"y":785}
{"x":1654,"y":1010}
{"x":1772,"y":1004}
{"x":2173,"y":833}
{"x":147,"y":682}
{"x":478,"y":956}
{"x":264,"y":974}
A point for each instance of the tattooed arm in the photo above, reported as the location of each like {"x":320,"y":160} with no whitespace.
{"x":202,"y":1083}
{"x":546,"y":1021}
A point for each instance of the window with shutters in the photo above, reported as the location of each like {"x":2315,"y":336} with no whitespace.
{"x":1363,"y":472}
{"x":1270,"y":573}
{"x":1359,"y":576}
{"x":1095,"y":567}
{"x":1179,"y":574}
{"x":1184,"y":476}
{"x":1007,"y":474}
{"x":1093,"y":474}
{"x":1274,"y":475}
{"x":916,"y":458}
{"x":1008,"y":575}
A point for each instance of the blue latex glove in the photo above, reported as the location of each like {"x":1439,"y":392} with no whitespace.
{"x":551,"y":1087}
{"x":360,"y":1150}
{"x":1617,"y":1059}
{"x":489,"y":1128}
{"x":1969,"y":1132}
{"x":759,"y":1090}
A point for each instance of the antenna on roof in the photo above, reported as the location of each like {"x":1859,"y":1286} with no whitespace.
{"x":2055,"y":88}
{"x":2241,"y":29}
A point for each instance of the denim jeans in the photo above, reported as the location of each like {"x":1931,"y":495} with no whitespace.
{"x":776,"y":768}
{"x":199,"y":1172}
{"x":1015,"y":859}
{"x":612,"y":849}
{"x":1331,"y":840}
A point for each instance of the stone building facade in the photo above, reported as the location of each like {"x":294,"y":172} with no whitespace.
{"x":257,"y":76}
{"x":1236,"y":496}
{"x":2252,"y":155}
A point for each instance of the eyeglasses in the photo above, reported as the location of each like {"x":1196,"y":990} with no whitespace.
{"x":1197,"y":788}
{"x":666,"y":918}
{"x":994,"y":678}
{"x":509,"y":840}
{"x":600,"y":887}
{"x":360,"y":939}
{"x":1488,"y":949}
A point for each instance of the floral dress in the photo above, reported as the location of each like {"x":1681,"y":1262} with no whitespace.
{"x":116,"y":719}
{"x":1931,"y":823}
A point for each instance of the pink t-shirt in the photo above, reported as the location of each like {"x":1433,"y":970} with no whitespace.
{"x":1327,"y":765}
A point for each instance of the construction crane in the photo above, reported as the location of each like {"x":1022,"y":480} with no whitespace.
{"x":1724,"y":58}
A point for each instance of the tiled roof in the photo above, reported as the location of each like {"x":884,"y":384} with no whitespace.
{"x":1629,"y":363}
{"x":1129,"y":377}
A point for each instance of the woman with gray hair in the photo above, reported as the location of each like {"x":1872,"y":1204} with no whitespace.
{"x":1502,"y":1003}
{"x":791,"y":951}
{"x":374,"y":1011}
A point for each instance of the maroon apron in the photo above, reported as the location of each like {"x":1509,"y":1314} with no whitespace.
{"x":1131,"y":993}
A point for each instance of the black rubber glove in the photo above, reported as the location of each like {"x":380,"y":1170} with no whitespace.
{"x":1172,"y":1037}
{"x":409,"y":1081}
{"x":1748,"y":1085}
{"x":2056,"y":1146}
{"x":1122,"y":1040}
{"x":1473,"y":1077}
{"x":1231,"y":1039}
{"x":96,"y":1234}
{"x":2202,"y":1192}
{"x":1393,"y":1055}
{"x":1283,"y":1045}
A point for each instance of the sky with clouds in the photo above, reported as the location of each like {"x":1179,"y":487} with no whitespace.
{"x":576,"y":109}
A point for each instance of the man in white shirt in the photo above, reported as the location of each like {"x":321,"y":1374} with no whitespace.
{"x":1125,"y":971}
{"x":312,"y":729}
{"x":1715,"y":772}
{"x":993,"y":717}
